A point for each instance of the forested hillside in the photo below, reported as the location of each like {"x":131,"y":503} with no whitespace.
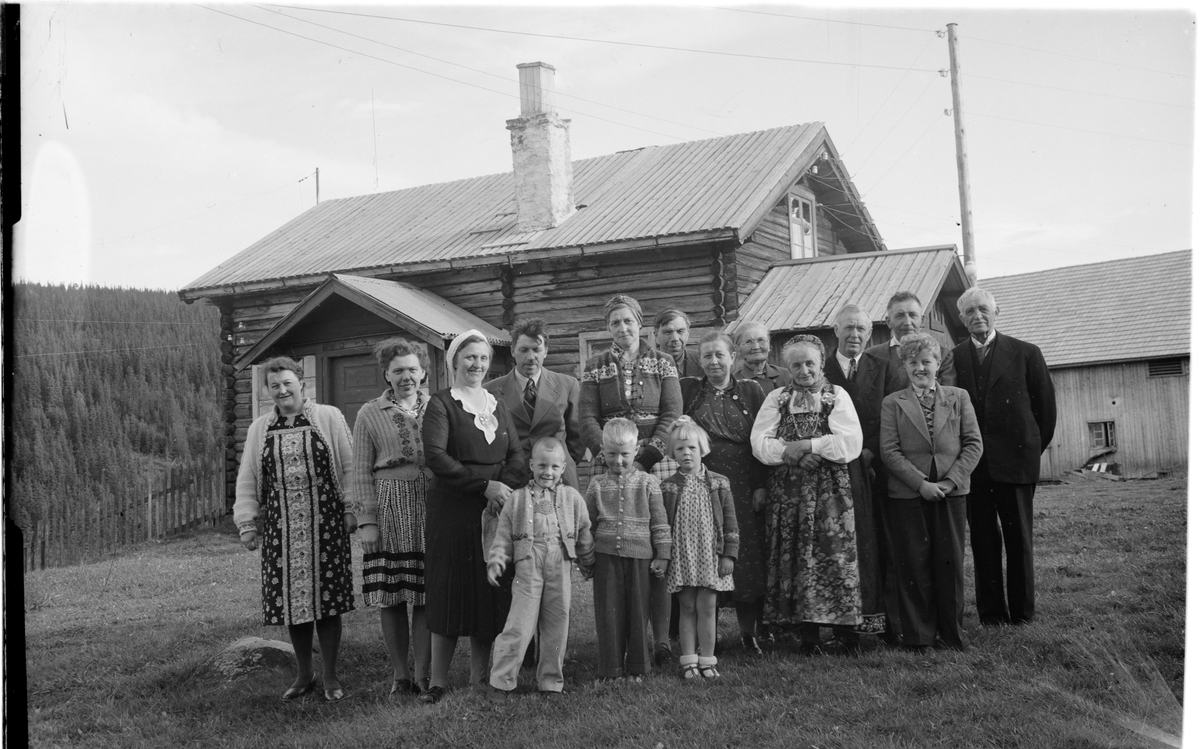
{"x":110,"y":386}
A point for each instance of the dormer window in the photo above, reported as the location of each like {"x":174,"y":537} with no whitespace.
{"x":802,"y":222}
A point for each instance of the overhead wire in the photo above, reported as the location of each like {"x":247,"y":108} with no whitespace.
{"x":504,"y":78}
{"x":1076,"y":57}
{"x":822,"y":20}
{"x":1080,"y":130}
{"x":426,"y":72}
{"x":891,"y":93}
{"x":1077,"y":91}
{"x":892,"y":128}
{"x":561,"y":37}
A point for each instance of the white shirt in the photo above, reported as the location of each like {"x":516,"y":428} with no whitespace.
{"x":987,"y":341}
{"x":844,"y":361}
{"x":843,"y":444}
{"x":522,"y":379}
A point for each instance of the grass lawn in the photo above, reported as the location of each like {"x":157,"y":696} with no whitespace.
{"x":116,"y":649}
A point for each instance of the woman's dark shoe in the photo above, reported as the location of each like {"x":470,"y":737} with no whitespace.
{"x":403,"y":687}
{"x":750,"y":645}
{"x":433,"y":694}
{"x":662,"y":654}
{"x":295,"y":693}
{"x":423,"y":685}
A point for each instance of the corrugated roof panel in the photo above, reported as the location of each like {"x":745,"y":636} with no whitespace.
{"x":1120,"y":310}
{"x":427,"y":308}
{"x":809,"y":293}
{"x":658,"y":191}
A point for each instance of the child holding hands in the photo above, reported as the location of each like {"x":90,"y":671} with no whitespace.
{"x":633,"y":541}
{"x":542,"y":527}
{"x":704,"y":545}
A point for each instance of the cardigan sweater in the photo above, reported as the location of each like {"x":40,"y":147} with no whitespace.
{"x":514,"y":531}
{"x":653,"y":401}
{"x":388,"y":446}
{"x":725,"y":539}
{"x":628,"y":516}
{"x":332,"y":427}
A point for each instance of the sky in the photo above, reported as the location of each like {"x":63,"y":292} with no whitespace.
{"x":160,"y":140}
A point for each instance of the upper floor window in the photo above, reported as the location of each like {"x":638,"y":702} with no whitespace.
{"x":802,"y":222}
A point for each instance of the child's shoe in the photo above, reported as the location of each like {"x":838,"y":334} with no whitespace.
{"x":690,"y":669}
{"x":708,"y":667}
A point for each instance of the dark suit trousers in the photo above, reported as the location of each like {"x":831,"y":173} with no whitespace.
{"x":929,"y":541}
{"x":1001,"y":520}
{"x":887,"y":553}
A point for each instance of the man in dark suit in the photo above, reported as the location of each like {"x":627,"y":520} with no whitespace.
{"x":672,"y":328}
{"x":1013,"y":396}
{"x":904,"y":312}
{"x":542,"y":403}
{"x":863,"y":376}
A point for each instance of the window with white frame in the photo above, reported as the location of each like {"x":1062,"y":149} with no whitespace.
{"x":802,"y":222}
{"x":1103,"y":433}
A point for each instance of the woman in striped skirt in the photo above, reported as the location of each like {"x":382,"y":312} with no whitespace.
{"x":390,"y":481}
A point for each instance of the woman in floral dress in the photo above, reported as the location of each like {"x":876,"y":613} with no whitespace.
{"x":294,"y":470}
{"x":809,"y":431}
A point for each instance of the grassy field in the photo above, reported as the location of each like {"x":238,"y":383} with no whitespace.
{"x":116,"y":653}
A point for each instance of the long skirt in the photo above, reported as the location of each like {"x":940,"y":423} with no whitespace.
{"x":869,"y":537}
{"x":395,"y":574}
{"x":812,"y":559}
{"x":735,"y":461}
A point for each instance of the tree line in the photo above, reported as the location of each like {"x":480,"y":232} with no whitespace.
{"x":110,"y":387}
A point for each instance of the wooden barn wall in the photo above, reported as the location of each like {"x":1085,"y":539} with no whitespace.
{"x":1150,"y":415}
{"x":770,"y":243}
{"x":570,"y":294}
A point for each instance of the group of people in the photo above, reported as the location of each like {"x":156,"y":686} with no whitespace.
{"x":833,"y":492}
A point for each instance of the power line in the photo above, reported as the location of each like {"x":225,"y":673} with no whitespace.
{"x":1075,"y":57}
{"x":822,"y":20}
{"x":601,"y":41}
{"x":1078,"y":91}
{"x":109,"y":351}
{"x":419,"y":70}
{"x":891,"y":93}
{"x":893,"y":127}
{"x":477,"y":70}
{"x":1080,"y":130}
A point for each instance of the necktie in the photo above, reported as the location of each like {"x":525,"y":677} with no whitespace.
{"x":530,"y":396}
{"x":853,"y":370}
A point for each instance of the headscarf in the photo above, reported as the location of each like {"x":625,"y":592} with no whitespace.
{"x":806,"y":398}
{"x":454,"y":346}
{"x":620,"y":300}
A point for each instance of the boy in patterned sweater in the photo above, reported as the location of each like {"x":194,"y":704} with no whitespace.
{"x":542,"y":527}
{"x":633,"y":541}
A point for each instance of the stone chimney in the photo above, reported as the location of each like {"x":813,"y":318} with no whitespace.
{"x":541,"y":153}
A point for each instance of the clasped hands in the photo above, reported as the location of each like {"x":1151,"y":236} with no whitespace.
{"x":933,"y":492}
{"x":799,"y":453}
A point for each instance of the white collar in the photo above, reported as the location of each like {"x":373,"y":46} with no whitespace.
{"x":987,"y":341}
{"x":931,"y":389}
{"x":844,"y":361}
{"x":893,"y":341}
{"x":522,"y":379}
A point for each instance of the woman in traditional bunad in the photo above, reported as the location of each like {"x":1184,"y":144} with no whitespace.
{"x":389,"y":488}
{"x":726,"y":409}
{"x":292,"y":481}
{"x":632,"y":381}
{"x":474,"y":451}
{"x":808,"y":431}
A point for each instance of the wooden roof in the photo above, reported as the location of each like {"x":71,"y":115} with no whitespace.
{"x":1120,"y":310}
{"x":719,"y":188}
{"x":800,"y":294}
{"x":421,"y":312}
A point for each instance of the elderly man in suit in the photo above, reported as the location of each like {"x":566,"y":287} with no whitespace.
{"x":542,"y":403}
{"x":903,"y":318}
{"x":863,"y":375}
{"x":753,"y":346}
{"x":1013,"y":396}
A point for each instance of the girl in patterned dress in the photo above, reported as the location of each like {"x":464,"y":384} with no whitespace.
{"x":704,"y":539}
{"x":809,"y":431}
{"x":294,"y":471}
{"x":389,"y":488}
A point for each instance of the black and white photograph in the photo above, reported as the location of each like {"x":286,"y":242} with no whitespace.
{"x":595,"y":375}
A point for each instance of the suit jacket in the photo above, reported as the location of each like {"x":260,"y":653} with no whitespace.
{"x":897,"y":375}
{"x":1015,"y":407}
{"x":909,"y":449}
{"x":866,"y":393}
{"x":555,"y":415}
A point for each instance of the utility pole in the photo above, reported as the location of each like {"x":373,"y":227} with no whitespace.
{"x":318,"y":184}
{"x":960,"y":142}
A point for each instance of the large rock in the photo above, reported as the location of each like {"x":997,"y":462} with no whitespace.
{"x":252,"y":654}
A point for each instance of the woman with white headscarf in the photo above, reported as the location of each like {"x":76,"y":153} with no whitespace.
{"x":473,"y":449}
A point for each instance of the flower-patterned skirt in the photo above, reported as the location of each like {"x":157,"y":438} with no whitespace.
{"x":306,"y":572}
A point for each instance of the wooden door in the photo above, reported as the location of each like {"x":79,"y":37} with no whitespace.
{"x":354,"y":381}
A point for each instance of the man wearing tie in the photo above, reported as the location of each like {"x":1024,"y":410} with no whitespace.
{"x":904,"y":317}
{"x":1013,"y":397}
{"x":542,"y":403}
{"x":863,"y":375}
